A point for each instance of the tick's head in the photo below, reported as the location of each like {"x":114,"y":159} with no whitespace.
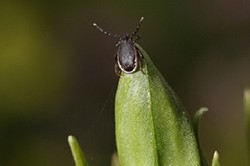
{"x":126,"y":36}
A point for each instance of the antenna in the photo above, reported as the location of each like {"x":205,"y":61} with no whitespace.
{"x":105,"y":32}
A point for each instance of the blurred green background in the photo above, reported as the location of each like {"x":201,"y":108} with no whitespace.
{"x":57,"y":73}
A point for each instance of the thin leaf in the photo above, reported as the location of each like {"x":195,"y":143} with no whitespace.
{"x":247,"y":112}
{"x":196,"y":124}
{"x":77,"y":153}
{"x":152,"y":126}
{"x":215,"y":161}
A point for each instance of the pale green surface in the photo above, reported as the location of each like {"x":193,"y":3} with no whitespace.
{"x":196,"y":124}
{"x":216,"y":158}
{"x":77,"y":152}
{"x":152,"y":127}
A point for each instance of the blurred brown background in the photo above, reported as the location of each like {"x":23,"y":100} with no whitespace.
{"x":57,"y":76}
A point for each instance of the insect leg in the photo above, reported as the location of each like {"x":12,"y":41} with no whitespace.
{"x":137,"y":27}
{"x":141,"y":61}
{"x":105,"y":32}
{"x":117,"y":70}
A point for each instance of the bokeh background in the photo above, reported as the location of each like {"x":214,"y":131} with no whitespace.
{"x":57,"y":73}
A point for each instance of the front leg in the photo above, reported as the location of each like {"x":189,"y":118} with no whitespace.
{"x":141,"y":60}
{"x":139,"y":53}
{"x":115,"y":57}
{"x":117,"y":70}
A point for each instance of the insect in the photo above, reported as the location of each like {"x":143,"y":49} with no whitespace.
{"x":128,"y":57}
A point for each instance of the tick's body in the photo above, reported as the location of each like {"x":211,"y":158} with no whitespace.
{"x":128,"y":57}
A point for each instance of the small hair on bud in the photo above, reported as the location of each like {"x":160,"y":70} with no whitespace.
{"x":95,"y":24}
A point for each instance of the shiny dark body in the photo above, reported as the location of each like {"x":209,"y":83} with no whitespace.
{"x":128,"y":58}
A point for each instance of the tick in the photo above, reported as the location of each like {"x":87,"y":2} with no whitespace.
{"x":128,"y":57}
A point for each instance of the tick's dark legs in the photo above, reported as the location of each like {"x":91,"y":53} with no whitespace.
{"x":141,"y":60}
{"x":106,"y":33}
{"x":117,"y":70}
{"x":137,"y":27}
{"x":140,"y":54}
{"x":136,"y":37}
